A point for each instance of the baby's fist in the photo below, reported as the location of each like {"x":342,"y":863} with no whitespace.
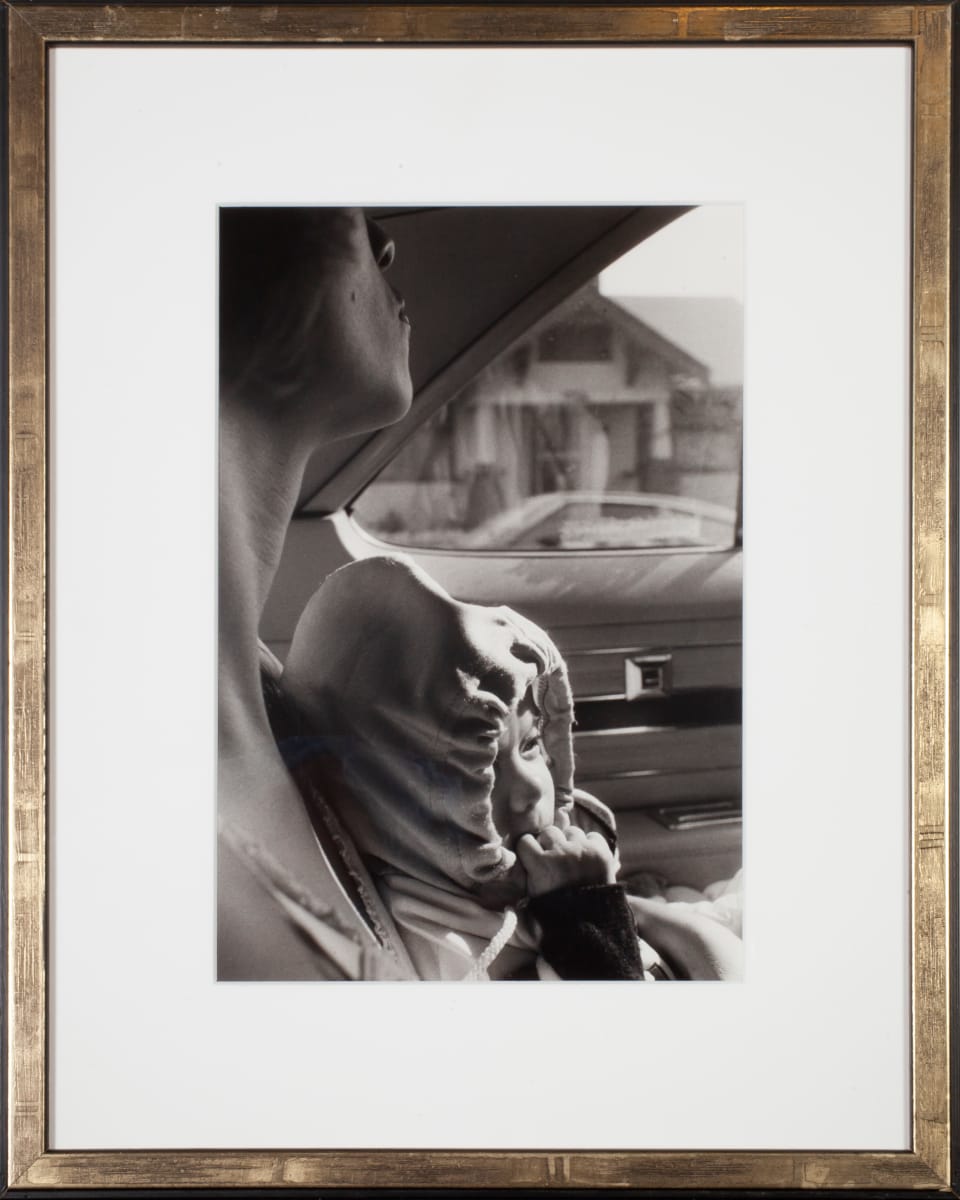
{"x":558,"y":858}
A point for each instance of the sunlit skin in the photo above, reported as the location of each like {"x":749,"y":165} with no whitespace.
{"x":356,"y":379}
{"x":359,"y":327}
{"x":524,"y":814}
{"x":523,"y":797}
{"x":354,"y":341}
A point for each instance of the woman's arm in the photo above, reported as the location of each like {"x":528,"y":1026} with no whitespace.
{"x":693,"y":944}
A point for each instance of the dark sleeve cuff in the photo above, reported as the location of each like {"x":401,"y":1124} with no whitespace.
{"x":588,"y":932}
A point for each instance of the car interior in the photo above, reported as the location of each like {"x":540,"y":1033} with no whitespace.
{"x":566,"y":457}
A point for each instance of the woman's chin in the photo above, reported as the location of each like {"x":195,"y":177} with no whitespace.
{"x":390,"y":405}
{"x":402,"y":400}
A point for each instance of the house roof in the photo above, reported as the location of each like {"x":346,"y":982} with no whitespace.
{"x":709,"y":327}
{"x":633,"y":326}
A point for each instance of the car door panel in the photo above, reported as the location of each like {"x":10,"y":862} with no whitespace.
{"x":599,"y":672}
{"x":694,"y":857}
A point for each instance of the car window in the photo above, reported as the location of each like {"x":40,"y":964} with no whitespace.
{"x":614,"y":422}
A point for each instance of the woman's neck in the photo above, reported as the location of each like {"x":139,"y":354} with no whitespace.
{"x":260,"y":474}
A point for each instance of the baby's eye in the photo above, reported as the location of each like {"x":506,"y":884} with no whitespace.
{"x":532,"y":746}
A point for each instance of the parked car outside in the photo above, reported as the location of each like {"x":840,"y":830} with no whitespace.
{"x":598,"y":520}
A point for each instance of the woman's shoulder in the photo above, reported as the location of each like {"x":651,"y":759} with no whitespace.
{"x":256,"y":937}
{"x":272,"y":927}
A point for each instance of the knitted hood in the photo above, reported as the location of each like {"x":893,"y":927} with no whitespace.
{"x":403,"y":692}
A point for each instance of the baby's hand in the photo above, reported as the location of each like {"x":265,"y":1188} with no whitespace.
{"x":558,"y":858}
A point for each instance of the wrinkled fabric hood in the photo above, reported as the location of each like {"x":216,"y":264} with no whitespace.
{"x":403,"y":692}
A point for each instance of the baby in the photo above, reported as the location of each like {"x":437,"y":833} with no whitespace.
{"x":439,"y":734}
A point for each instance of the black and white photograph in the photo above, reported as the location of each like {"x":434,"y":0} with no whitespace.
{"x":480,"y":540}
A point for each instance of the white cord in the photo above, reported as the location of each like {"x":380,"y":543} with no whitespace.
{"x":503,"y":935}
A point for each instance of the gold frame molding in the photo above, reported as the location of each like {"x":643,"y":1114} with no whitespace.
{"x":924,"y":27}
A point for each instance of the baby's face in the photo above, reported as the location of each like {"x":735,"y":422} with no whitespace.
{"x":523,"y":799}
{"x":523,"y":793}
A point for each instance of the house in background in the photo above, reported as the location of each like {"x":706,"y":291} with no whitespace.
{"x":708,"y":327}
{"x":592,"y":399}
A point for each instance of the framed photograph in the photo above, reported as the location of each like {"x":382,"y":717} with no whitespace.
{"x":481,"y":509}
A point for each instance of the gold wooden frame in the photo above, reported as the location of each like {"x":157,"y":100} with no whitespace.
{"x":924,"y":27}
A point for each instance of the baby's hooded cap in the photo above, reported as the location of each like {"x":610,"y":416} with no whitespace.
{"x":404,"y":691}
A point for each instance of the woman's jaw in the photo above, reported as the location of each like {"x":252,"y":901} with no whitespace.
{"x":327,"y":351}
